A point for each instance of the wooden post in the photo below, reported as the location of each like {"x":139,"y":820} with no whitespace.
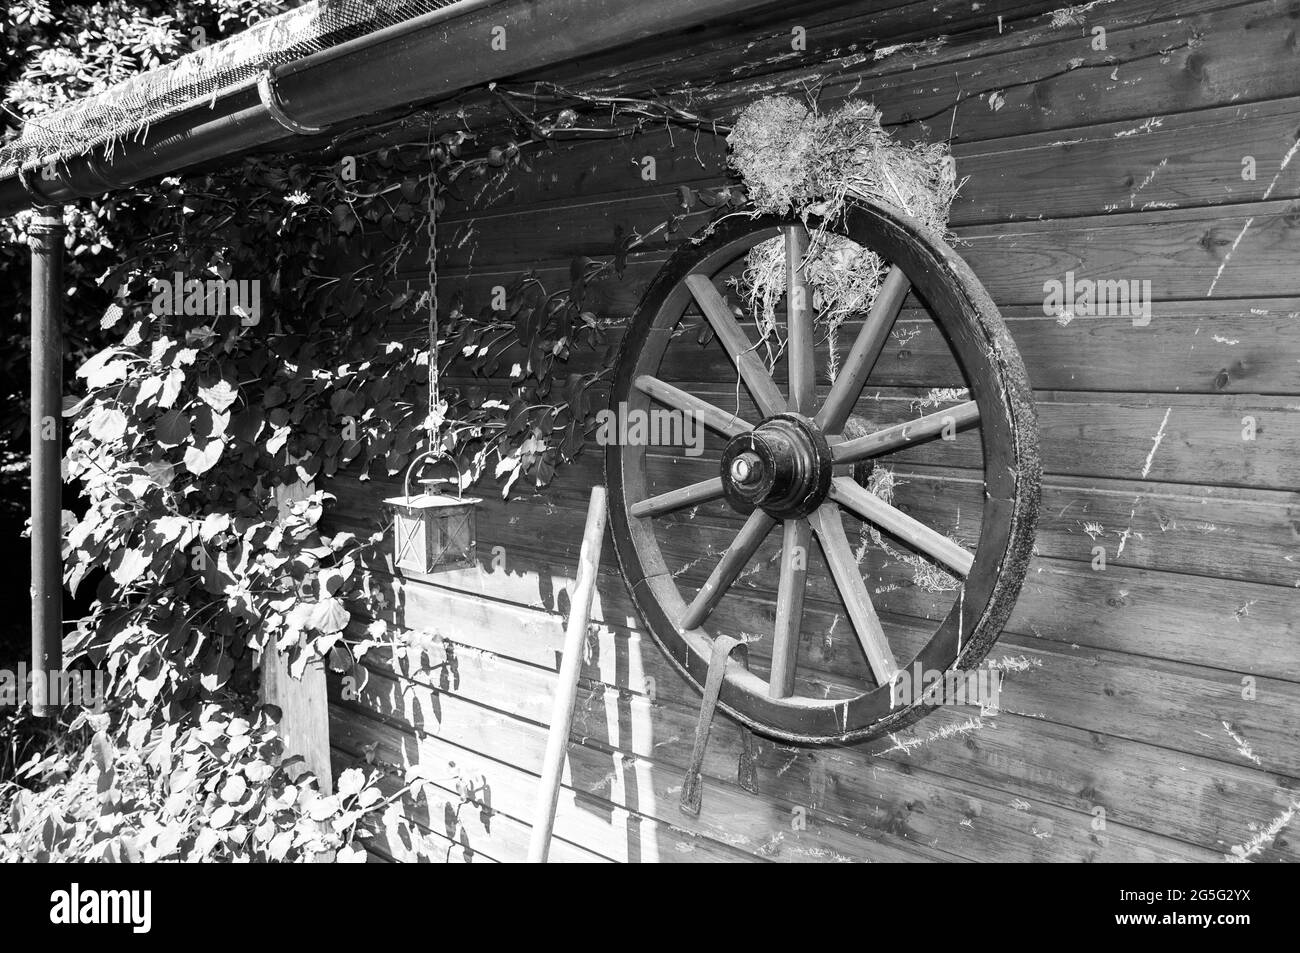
{"x":305,"y":716}
{"x":45,"y":237}
{"x":304,"y":720}
{"x":303,"y":702}
{"x":566,"y":689}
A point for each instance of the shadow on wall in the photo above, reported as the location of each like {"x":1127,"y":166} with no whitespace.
{"x":473,"y":675}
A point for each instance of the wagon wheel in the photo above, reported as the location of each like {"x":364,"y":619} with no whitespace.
{"x":783,"y":468}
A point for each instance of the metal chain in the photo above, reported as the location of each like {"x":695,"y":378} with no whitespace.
{"x":431,"y":228}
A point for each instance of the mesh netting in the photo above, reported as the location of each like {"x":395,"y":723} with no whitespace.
{"x":202,"y":75}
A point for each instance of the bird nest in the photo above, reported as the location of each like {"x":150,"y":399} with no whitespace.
{"x":844,"y":278}
{"x":795,"y":160}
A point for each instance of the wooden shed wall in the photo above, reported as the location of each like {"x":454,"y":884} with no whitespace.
{"x":1124,"y":688}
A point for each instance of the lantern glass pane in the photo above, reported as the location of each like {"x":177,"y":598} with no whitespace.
{"x":411,"y":541}
{"x":452,"y":541}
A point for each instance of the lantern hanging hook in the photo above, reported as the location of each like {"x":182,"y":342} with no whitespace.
{"x":438,"y":454}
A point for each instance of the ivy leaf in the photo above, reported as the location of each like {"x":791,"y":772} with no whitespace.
{"x":103,"y":751}
{"x":323,"y":808}
{"x":127,"y":565}
{"x":233,"y":791}
{"x":134,"y":335}
{"x":298,"y":618}
{"x":219,"y":396}
{"x":112,"y":315}
{"x":182,"y":780}
{"x":209,"y":424}
{"x":101,"y":370}
{"x":206,"y":840}
{"x":279,"y":846}
{"x":172,"y":428}
{"x":222,"y":816}
{"x":308,"y":468}
{"x":340,"y":659}
{"x":161,"y":473}
{"x":200,"y":460}
{"x":170,"y":528}
{"x":514,"y":475}
{"x":160,"y":349}
{"x":149,"y":389}
{"x":108,"y":425}
{"x":277,"y":440}
{"x":329,"y":616}
{"x":148,"y":687}
{"x":72,"y":409}
{"x":171,"y":387}
{"x":351,"y":782}
{"x":545,"y":472}
{"x":213,"y":524}
{"x":217,"y":670}
{"x":332,"y":580}
{"x":573,"y":440}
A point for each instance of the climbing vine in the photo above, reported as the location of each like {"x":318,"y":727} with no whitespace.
{"x":269,"y":329}
{"x":198,"y":421}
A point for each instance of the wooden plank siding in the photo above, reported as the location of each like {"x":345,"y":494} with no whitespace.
{"x":1150,"y":709}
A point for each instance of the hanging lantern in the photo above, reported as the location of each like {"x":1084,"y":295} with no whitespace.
{"x":432,"y":531}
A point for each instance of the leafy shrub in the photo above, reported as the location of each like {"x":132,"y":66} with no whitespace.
{"x":218,"y":791}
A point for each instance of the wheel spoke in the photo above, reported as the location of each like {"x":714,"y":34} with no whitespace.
{"x":906,"y":434}
{"x":789,"y":607}
{"x":701,"y":492}
{"x":844,"y":570}
{"x":736,"y":343}
{"x":799,"y":322}
{"x":709,"y":415}
{"x":913,"y":532}
{"x":866,"y":349}
{"x":740,"y":551}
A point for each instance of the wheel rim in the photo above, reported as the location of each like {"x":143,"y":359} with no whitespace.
{"x":777,"y":470}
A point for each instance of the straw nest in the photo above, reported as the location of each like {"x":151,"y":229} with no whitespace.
{"x":795,"y":160}
{"x":844,"y":278}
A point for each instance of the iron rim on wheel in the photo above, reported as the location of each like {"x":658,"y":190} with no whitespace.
{"x":778,"y":470}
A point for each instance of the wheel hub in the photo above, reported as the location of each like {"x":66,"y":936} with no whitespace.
{"x":782,"y":466}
